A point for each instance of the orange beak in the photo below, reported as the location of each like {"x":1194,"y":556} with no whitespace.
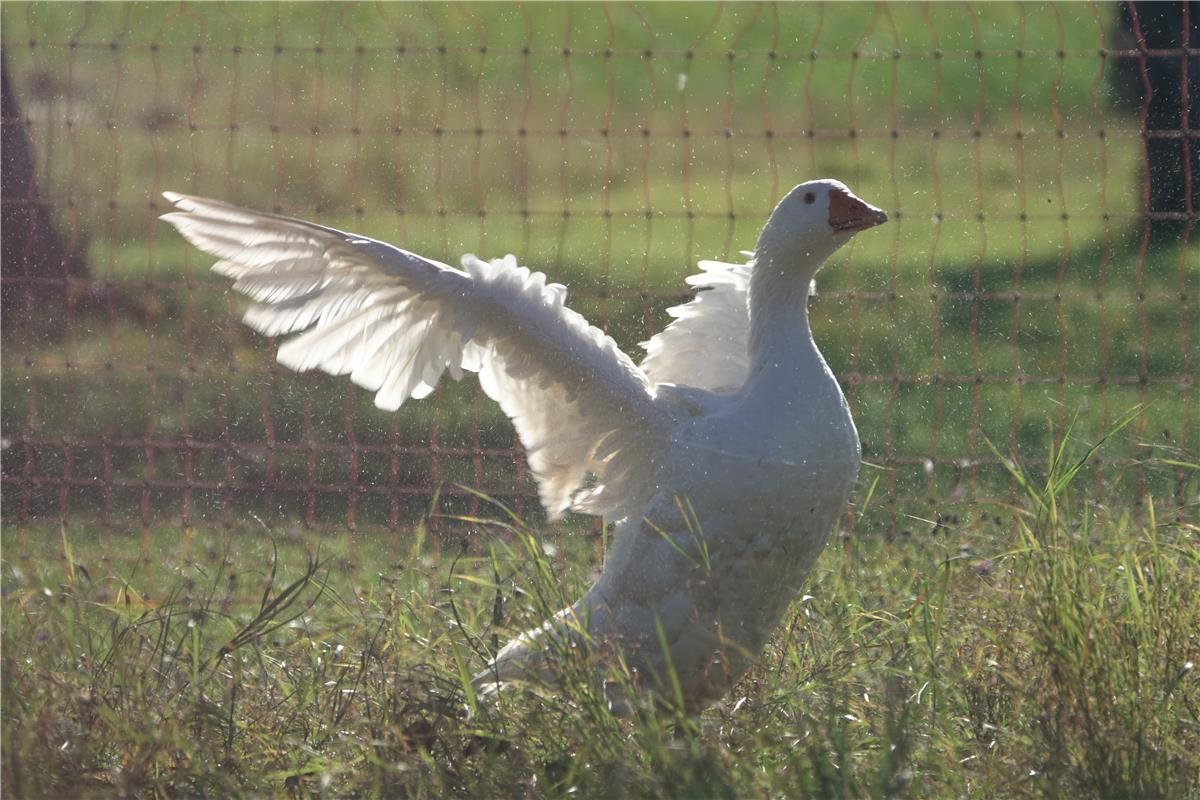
{"x":848,"y":214}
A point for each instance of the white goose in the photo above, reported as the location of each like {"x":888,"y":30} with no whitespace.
{"x":722,"y":462}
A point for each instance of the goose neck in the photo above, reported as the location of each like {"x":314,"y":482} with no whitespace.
{"x":780,"y":336}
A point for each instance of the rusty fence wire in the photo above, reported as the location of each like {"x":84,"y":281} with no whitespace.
{"x":1038,"y":162}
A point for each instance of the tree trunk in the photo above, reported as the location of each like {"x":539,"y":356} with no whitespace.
{"x":1166,"y":88}
{"x":34,"y":263}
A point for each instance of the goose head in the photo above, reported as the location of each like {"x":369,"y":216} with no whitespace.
{"x":811,"y":222}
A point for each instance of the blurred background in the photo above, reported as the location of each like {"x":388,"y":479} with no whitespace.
{"x":1039,"y":274}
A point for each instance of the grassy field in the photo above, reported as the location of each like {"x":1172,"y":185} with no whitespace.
{"x":1051,"y":656}
{"x":585,"y":139}
{"x":964,"y":634}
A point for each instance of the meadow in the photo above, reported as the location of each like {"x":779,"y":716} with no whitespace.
{"x":1051,"y":654}
{"x":220,"y":578}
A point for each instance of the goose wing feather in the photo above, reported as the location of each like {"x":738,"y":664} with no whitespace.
{"x":706,"y":344}
{"x":395,"y":322}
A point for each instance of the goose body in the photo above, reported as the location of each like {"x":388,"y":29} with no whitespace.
{"x":722,"y":461}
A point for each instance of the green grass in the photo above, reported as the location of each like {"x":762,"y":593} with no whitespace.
{"x":1052,"y":655}
{"x":929,"y":379}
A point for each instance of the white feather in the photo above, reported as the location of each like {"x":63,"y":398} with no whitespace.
{"x":706,"y":346}
{"x":395,"y":322}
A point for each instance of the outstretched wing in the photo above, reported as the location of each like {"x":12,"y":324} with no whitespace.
{"x":394,"y":322}
{"x":706,"y":345}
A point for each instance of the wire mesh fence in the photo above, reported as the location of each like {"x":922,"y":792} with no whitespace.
{"x":1039,"y":165}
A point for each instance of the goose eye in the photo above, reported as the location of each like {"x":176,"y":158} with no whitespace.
{"x":810,"y":198}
